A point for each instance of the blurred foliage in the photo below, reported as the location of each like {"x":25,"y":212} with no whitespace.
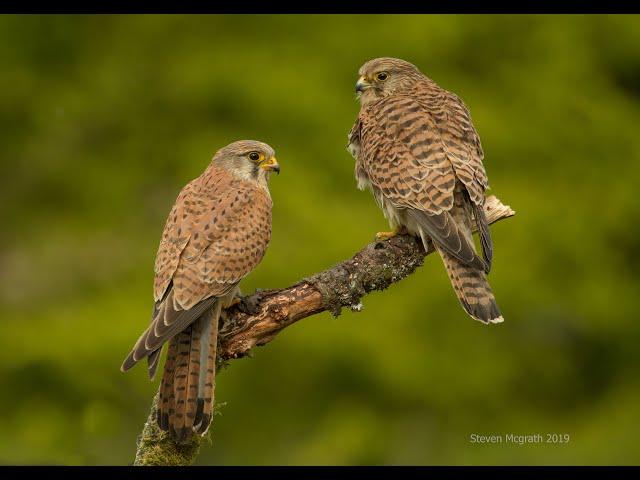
{"x":104,"y":118}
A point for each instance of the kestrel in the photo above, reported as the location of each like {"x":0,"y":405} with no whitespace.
{"x":217,"y":232}
{"x":418,"y":152}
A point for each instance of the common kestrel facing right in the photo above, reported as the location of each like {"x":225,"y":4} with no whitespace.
{"x":216,"y":234}
{"x":417,"y":150}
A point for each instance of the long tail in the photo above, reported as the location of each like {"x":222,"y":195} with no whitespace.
{"x":472,"y":289}
{"x":469,"y":279}
{"x":188,"y":380}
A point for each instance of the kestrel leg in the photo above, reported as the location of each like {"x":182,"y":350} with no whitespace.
{"x":397,"y":230}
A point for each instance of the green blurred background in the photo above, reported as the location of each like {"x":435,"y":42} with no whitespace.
{"x":104,"y":118}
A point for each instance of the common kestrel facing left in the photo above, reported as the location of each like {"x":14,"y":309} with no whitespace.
{"x":217,"y":232}
{"x":417,"y":150}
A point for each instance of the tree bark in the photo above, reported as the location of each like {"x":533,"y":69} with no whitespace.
{"x":258,"y":318}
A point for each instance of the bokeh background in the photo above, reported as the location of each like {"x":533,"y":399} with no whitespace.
{"x":104,"y":118}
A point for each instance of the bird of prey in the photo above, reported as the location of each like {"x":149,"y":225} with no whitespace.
{"x":217,"y":232}
{"x":418,"y":152}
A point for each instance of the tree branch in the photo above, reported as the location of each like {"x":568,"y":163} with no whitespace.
{"x":258,"y":318}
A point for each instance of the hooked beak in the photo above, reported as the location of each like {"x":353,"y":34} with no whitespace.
{"x":362,"y":85}
{"x":271,"y":165}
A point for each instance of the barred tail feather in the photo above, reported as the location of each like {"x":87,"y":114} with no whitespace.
{"x":206,"y":387}
{"x":186,"y":390}
{"x":472,"y":289}
{"x":166,"y":405}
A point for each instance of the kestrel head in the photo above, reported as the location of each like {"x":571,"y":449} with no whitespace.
{"x":248,"y":159}
{"x":385,"y":76}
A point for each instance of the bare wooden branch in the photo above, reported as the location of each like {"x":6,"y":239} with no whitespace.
{"x":258,"y":318}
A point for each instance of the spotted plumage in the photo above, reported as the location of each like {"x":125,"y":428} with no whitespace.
{"x":216,"y":233}
{"x":416,"y":149}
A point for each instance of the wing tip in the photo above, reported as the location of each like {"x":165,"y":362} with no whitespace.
{"x":128,"y":363}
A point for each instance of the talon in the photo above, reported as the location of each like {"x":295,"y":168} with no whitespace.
{"x":387,"y":235}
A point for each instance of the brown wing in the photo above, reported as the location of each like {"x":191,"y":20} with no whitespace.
{"x":464,"y":150}
{"x":217,"y":232}
{"x":229,"y":236}
{"x":176,"y":234}
{"x":407,"y":157}
{"x":460,"y":140}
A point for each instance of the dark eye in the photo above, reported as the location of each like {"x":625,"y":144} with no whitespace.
{"x":382,"y":76}
{"x":255,"y":156}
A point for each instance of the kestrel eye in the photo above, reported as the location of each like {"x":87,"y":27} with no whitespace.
{"x":255,"y":156}
{"x":382,"y":76}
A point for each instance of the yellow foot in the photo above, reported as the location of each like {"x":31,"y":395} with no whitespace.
{"x":387,"y":235}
